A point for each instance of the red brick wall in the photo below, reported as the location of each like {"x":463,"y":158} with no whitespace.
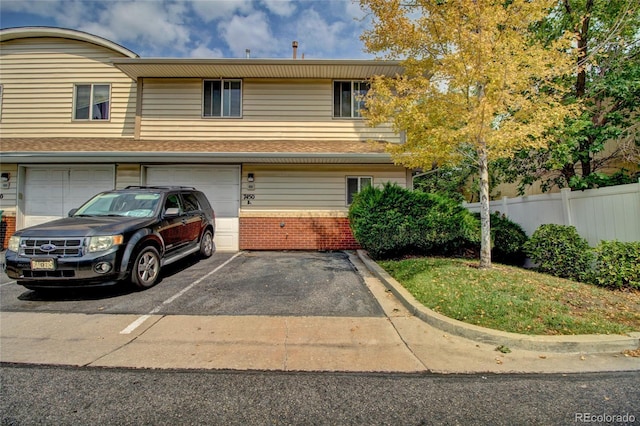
{"x":298,"y":233}
{"x":8,"y":228}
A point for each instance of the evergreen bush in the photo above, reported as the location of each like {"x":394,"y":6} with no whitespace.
{"x":617,"y":265}
{"x":508,"y":239}
{"x":393,"y":222}
{"x":560,"y":251}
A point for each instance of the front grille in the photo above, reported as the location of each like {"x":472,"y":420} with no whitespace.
{"x":63,"y":247}
{"x":65,"y":273}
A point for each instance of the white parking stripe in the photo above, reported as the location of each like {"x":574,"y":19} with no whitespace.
{"x":7,"y":283}
{"x":155,"y":310}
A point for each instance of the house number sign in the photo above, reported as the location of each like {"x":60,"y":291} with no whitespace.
{"x":248,"y":197}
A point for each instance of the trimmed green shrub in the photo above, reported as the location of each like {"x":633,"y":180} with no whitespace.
{"x":617,"y":264}
{"x":393,"y":221}
{"x":507,"y":240}
{"x":560,"y":251}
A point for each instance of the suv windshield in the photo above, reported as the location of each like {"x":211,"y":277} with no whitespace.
{"x":133,"y":204}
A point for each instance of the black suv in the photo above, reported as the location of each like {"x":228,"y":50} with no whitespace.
{"x":127,"y":234}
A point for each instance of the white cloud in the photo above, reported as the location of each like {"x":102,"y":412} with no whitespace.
{"x":203,"y":51}
{"x":65,"y":13}
{"x":248,"y":32}
{"x":316,"y":34}
{"x":280,"y":7}
{"x":354,"y":11}
{"x":211,"y":10}
{"x":154,"y":25}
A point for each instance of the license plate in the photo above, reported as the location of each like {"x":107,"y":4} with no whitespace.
{"x":43,"y":265}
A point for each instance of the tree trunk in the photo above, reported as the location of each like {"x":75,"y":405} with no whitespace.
{"x":485,"y":223}
{"x":583,"y":39}
{"x":568,"y":171}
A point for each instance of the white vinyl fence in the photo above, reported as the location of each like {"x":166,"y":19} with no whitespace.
{"x":611,"y":213}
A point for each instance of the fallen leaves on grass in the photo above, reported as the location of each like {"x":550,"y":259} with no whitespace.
{"x":516,"y":300}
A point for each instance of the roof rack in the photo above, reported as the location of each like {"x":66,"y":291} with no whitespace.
{"x":158,"y":187}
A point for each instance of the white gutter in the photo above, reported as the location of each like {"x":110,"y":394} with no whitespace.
{"x":197,"y":157}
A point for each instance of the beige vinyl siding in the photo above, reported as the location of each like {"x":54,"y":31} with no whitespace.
{"x":38,"y":77}
{"x":292,"y":100}
{"x":271,"y":110}
{"x":309,"y":187}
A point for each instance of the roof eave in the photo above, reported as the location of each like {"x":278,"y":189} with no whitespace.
{"x":255,"y":68}
{"x":197,"y":157}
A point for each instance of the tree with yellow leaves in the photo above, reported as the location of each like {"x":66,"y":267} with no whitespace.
{"x":476,"y":81}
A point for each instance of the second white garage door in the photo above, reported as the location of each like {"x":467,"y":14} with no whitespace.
{"x":221,"y":185}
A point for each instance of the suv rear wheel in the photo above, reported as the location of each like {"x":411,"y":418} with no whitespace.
{"x":146,"y":268}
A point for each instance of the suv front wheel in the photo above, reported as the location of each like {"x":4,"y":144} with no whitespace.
{"x":146,"y":268}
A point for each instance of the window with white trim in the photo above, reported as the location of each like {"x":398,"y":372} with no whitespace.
{"x":222,"y":98}
{"x":356,"y":184}
{"x":91,"y":101}
{"x":348,"y":98}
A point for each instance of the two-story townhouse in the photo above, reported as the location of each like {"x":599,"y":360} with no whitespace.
{"x":278,"y":145}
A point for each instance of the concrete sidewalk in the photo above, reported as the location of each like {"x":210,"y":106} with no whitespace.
{"x":400,"y":342}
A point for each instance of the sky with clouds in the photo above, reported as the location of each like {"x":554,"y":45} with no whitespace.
{"x":324,"y":29}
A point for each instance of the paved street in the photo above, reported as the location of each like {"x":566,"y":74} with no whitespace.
{"x":70,"y":396}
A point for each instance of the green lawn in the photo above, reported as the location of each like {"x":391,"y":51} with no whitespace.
{"x":514,"y":299}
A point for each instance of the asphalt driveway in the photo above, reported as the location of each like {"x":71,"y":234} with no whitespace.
{"x":284,"y":283}
{"x":251,"y":283}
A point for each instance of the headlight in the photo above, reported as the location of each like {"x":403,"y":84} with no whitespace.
{"x":14,"y":244}
{"x":103,"y":243}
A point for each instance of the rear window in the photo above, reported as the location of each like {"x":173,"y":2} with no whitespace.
{"x":190,"y":202}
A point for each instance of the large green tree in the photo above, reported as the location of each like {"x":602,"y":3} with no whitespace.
{"x":606,"y":136}
{"x":475,"y":80}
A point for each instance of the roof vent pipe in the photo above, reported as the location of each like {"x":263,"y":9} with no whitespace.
{"x":247,"y":53}
{"x":295,"y":49}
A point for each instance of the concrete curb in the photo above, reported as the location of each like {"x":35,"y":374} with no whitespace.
{"x":562,"y":344}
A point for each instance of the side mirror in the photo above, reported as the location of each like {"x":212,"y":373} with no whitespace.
{"x":72,"y":212}
{"x":172,"y":211}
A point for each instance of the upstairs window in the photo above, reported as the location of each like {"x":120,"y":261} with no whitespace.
{"x":91,"y":101}
{"x":356,"y":184}
{"x":348,"y":98}
{"x":222,"y":98}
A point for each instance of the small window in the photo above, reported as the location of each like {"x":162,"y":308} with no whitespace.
{"x":356,"y":184}
{"x":172,"y":205}
{"x":222,"y":98}
{"x":349,"y":98}
{"x":91,"y":101}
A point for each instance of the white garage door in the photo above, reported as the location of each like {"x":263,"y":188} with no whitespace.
{"x":221,"y":185}
{"x":50,"y":192}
